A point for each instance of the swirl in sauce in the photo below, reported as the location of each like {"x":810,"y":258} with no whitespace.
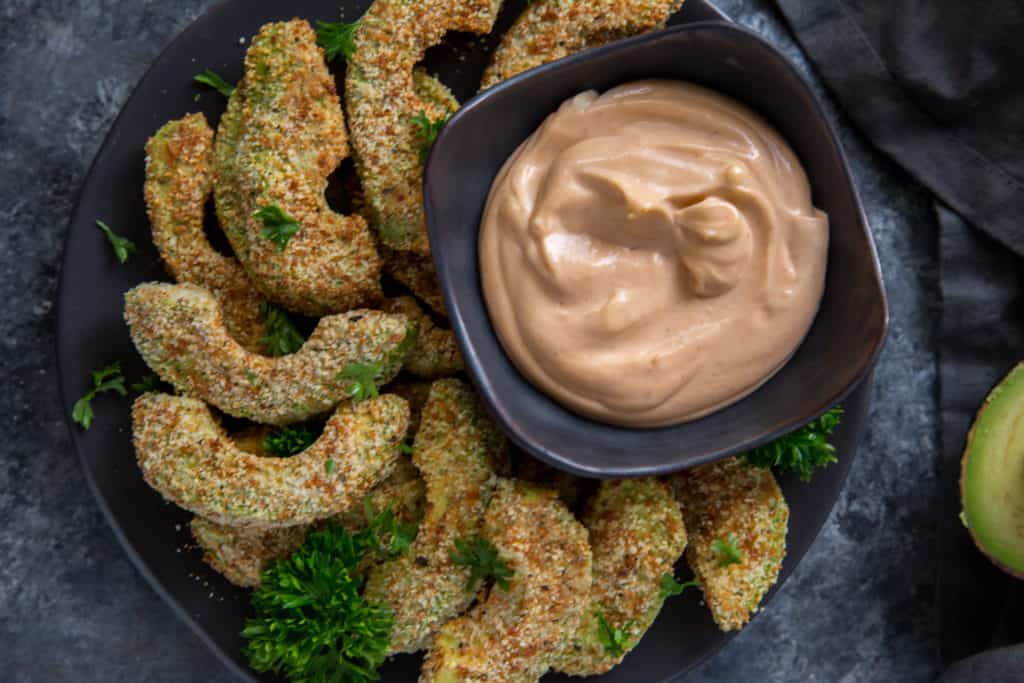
{"x":651,"y":254}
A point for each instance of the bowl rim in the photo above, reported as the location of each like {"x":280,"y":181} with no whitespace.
{"x":480,"y":377}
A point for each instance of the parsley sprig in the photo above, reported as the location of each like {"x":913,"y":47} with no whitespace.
{"x":123,"y":247}
{"x":427,"y":131}
{"x":614,"y":639}
{"x":670,"y":587}
{"x":392,"y":537}
{"x":103,"y":380}
{"x":282,"y":337}
{"x":311,"y":623}
{"x":212,"y":79}
{"x":148,"y":383}
{"x":364,"y":376}
{"x":288,"y":441}
{"x":278,"y":226}
{"x":801,"y":451}
{"x":336,"y":38}
{"x":483,"y":561}
{"x":727,"y":551}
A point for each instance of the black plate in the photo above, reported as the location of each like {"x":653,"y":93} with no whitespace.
{"x":91,"y":333}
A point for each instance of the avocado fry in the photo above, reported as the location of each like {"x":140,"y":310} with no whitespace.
{"x":636,"y":536}
{"x":417,"y":274}
{"x":179,"y":179}
{"x":179,"y":331}
{"x":459,"y":453}
{"x":282,"y":136}
{"x":191,"y":461}
{"x":551,"y":29}
{"x":435,"y":353}
{"x":383,"y":105}
{"x":513,"y":635}
{"x":736,"y":519}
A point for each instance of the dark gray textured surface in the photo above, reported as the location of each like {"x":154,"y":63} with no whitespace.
{"x":859,"y":607}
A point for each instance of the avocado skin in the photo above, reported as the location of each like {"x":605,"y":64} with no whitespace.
{"x":1009,"y":389}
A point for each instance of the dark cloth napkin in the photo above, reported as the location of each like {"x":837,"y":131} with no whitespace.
{"x":939,"y":87}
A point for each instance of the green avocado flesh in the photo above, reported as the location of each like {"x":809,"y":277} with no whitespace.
{"x":992,"y":475}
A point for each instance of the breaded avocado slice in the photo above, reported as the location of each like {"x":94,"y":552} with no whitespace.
{"x":737,"y":520}
{"x":282,"y":136}
{"x":551,"y":29}
{"x":435,"y":353}
{"x":383,"y":105}
{"x":179,"y":179}
{"x":636,"y":536}
{"x":241,"y":554}
{"x":513,"y":636}
{"x":191,"y":461}
{"x":459,"y":452}
{"x":179,"y":331}
{"x":416,"y":273}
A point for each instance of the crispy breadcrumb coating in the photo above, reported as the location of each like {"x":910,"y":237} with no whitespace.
{"x":551,"y":29}
{"x":513,"y":635}
{"x":180,"y":333}
{"x":435,"y":354}
{"x":728,"y":498}
{"x":188,"y":457}
{"x":459,"y":452}
{"x":416,"y":273}
{"x":282,"y":136}
{"x":636,"y":535}
{"x":179,"y":179}
{"x":382,"y":101}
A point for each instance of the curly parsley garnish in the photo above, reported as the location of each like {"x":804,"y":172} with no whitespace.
{"x":282,"y":337}
{"x":288,"y":441}
{"x":727,"y":551}
{"x":278,"y":226}
{"x":483,"y":561}
{"x":802,"y":451}
{"x":103,"y":380}
{"x":213,"y":80}
{"x":336,"y":38}
{"x":670,"y":587}
{"x":311,"y":623}
{"x":427,"y":132}
{"x":615,"y":640}
{"x":123,"y":247}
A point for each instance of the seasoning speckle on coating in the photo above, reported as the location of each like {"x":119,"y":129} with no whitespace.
{"x":513,"y":635}
{"x":282,"y":136}
{"x":180,"y":333}
{"x":457,"y":450}
{"x":723,"y":498}
{"x":188,"y":457}
{"x":382,"y":100}
{"x":179,"y":179}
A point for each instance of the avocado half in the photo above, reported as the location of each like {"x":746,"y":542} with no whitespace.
{"x":992,"y":475}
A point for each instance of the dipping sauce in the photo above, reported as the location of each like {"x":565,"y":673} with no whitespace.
{"x":651,"y":254}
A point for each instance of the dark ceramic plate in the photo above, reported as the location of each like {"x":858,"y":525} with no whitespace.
{"x":838,"y":352}
{"x":91,"y":334}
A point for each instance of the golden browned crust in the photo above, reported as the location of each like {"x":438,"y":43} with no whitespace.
{"x":417,"y":274}
{"x":435,"y":354}
{"x":728,"y":498}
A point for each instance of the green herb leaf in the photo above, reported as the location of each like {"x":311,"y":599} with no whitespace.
{"x":427,"y":132}
{"x":103,"y":380}
{"x":251,"y":376}
{"x":336,"y":38}
{"x":670,"y":587}
{"x":278,"y":227}
{"x":148,"y":383}
{"x":287,"y":441}
{"x":801,"y":451}
{"x":614,"y":640}
{"x":483,"y":561}
{"x":123,"y":247}
{"x":282,"y":337}
{"x":727,"y":551}
{"x":213,"y":80}
{"x":364,"y":380}
{"x":310,"y":622}
{"x":405,"y":448}
{"x":393,"y":538}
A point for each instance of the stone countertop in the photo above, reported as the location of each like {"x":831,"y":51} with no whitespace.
{"x":72,"y":607}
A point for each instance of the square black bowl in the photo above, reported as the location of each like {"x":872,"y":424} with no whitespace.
{"x":838,"y":352}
